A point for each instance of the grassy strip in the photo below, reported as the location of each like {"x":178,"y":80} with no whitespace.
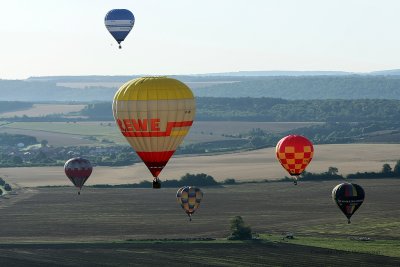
{"x":388,"y":226}
{"x":389,"y":248}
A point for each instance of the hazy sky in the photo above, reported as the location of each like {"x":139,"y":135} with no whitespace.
{"x":68,"y":37}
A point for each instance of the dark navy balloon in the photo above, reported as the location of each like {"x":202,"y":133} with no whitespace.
{"x":348,"y":197}
{"x":119,"y":22}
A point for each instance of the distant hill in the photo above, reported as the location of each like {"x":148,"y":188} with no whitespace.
{"x":288,"y":85}
{"x":277,"y":73}
{"x":309,"y":87}
{"x":386,"y":72}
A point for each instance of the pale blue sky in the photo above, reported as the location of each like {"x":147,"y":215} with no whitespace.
{"x":68,"y":37}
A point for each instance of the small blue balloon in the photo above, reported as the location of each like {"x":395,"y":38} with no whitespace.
{"x":119,"y":22}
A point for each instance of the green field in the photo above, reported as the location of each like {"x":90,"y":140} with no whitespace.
{"x":39,"y":110}
{"x":63,"y":133}
{"x":82,"y":133}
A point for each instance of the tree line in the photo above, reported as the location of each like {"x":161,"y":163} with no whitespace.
{"x":278,"y":110}
{"x":203,"y":179}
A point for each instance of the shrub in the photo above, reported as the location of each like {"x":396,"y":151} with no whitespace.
{"x":239,"y":231}
{"x":7,"y":187}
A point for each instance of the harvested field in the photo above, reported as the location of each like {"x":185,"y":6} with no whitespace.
{"x":49,"y":226}
{"x":244,"y":166}
{"x":59,"y":214}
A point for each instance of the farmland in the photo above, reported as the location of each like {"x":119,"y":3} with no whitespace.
{"x":46,"y":225}
{"x":69,"y":133}
{"x":244,"y":166}
{"x":38,"y":110}
{"x":182,"y":254}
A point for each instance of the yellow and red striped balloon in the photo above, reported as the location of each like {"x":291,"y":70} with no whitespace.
{"x":154,"y":114}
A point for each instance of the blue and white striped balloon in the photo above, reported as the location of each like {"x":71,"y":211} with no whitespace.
{"x":119,"y":22}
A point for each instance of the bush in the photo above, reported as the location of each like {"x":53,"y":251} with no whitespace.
{"x":239,"y":231}
{"x":200,"y":179}
{"x":396,"y":168}
{"x":7,"y":187}
{"x":230,"y":181}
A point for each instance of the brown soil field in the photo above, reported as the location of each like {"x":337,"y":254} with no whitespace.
{"x":59,"y":214}
{"x":44,"y":109}
{"x":41,"y":226}
{"x":243,"y":166}
{"x":181,"y":254}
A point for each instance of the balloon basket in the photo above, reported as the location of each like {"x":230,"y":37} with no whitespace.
{"x":156,"y":184}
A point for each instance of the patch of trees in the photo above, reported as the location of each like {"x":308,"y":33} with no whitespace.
{"x":9,"y":106}
{"x":5,"y":185}
{"x":386,"y":172}
{"x":98,"y":111}
{"x":332,"y":174}
{"x":14,"y":139}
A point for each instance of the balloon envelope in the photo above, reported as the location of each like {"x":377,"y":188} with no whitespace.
{"x":294,"y":152}
{"x":119,"y":22}
{"x":154,"y":114}
{"x":348,"y":197}
{"x":78,"y":171}
{"x":189,"y":197}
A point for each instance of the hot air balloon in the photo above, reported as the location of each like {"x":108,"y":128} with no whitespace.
{"x":189,"y":197}
{"x":119,"y":22}
{"x":294,"y":152}
{"x":78,"y":171}
{"x":348,"y":197}
{"x":154,"y":114}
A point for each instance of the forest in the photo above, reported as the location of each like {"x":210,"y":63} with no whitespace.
{"x":276,"y":109}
